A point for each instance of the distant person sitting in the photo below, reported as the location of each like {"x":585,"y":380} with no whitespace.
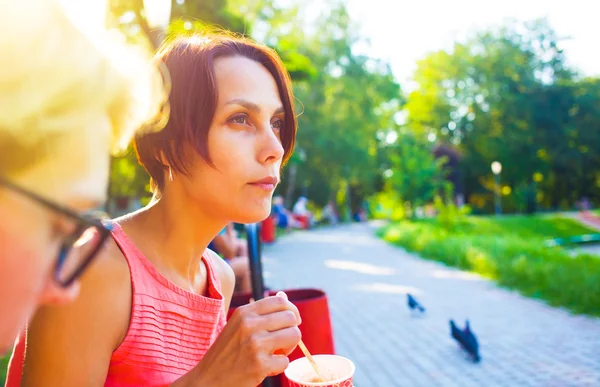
{"x":584,"y":204}
{"x":279,"y":212}
{"x":235,"y":251}
{"x":330,"y":213}
{"x":301,"y":212}
{"x":283,"y":217}
{"x":360,"y":215}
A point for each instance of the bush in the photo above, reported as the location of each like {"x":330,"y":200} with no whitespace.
{"x":510,"y":251}
{"x":386,"y":205}
{"x":449,"y":215}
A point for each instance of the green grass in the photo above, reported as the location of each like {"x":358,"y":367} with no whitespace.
{"x":545,"y":227}
{"x":510,"y":250}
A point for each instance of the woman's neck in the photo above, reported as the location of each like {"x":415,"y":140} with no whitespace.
{"x":173,"y":234}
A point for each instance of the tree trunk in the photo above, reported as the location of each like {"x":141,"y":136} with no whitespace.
{"x":291,"y":185}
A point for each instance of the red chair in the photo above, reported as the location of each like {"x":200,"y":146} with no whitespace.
{"x":303,"y":220}
{"x":268,"y":232}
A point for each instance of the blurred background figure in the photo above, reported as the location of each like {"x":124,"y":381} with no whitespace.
{"x":330,"y":213}
{"x":302,"y":214}
{"x":283,"y":217}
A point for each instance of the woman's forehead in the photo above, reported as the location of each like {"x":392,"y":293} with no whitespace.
{"x":243,"y":78}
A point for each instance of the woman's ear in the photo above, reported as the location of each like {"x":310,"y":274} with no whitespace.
{"x":163,"y":160}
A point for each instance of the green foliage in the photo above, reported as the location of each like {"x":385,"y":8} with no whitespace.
{"x":416,"y":175}
{"x":510,"y":250}
{"x":215,"y":12}
{"x":387,"y":205}
{"x":128,"y":178}
{"x":506,"y":94}
{"x":3,"y":368}
{"x":450,"y":216}
{"x":344,"y":100}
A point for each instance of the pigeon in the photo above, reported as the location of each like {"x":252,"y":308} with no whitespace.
{"x":471,"y":344}
{"x":466,"y":339}
{"x":413,"y":304}
{"x":456,"y":333}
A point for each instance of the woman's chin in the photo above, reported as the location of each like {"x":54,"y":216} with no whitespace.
{"x":253,"y":215}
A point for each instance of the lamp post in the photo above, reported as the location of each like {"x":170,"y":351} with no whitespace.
{"x":158,"y":17}
{"x":496,"y":170}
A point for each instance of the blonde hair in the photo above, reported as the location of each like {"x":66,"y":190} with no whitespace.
{"x":57,"y":77}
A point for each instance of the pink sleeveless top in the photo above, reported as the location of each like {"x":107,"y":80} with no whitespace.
{"x":170,"y":329}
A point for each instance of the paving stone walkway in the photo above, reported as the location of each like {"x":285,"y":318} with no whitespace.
{"x":523,"y":341}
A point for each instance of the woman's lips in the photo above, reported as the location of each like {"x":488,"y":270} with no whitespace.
{"x":268,"y":183}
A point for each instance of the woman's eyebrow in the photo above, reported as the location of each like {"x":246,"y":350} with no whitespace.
{"x":251,"y":105}
{"x":247,"y":104}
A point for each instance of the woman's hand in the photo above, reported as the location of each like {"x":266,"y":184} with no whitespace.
{"x":254,"y":344}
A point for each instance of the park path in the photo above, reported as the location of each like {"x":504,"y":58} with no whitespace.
{"x":524,"y":342}
{"x":591,"y":221}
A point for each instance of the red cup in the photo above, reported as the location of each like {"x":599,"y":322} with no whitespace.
{"x":337,"y":370}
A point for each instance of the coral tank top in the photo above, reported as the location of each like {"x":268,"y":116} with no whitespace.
{"x":170,"y":329}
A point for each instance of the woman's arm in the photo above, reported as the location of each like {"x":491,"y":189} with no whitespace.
{"x":71,"y":345}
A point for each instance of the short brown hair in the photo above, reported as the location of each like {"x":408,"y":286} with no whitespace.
{"x":193,"y":100}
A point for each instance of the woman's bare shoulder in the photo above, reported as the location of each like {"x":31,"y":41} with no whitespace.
{"x":72,"y":344}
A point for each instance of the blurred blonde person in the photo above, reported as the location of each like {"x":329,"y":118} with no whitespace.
{"x":67,"y":97}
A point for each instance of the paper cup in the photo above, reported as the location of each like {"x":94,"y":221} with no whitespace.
{"x":336,"y":369}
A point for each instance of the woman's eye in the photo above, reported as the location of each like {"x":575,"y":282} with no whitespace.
{"x":242,"y":120}
{"x":277,"y":124}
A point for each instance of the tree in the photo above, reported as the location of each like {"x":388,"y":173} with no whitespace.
{"x":506,"y":94}
{"x":344,"y":106}
{"x":416,"y":174}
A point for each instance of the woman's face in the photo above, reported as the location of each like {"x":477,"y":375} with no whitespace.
{"x":244,"y":145}
{"x":31,"y":234}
